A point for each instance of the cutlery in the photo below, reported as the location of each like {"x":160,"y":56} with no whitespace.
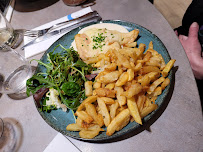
{"x":63,"y":30}
{"x":38,"y":33}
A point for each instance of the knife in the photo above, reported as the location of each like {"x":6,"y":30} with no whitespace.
{"x":62,"y":30}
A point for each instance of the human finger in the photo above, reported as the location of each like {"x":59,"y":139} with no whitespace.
{"x":193,"y":30}
{"x":176,"y":32}
{"x":182,"y":38}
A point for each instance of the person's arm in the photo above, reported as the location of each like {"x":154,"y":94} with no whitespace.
{"x":192,"y":48}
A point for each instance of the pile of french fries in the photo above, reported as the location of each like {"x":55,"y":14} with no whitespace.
{"x":124,"y":91}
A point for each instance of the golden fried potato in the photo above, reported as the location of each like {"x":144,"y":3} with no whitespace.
{"x":84,"y":116}
{"x":109,"y":77}
{"x":105,"y":92}
{"x":155,"y":84}
{"x":168,"y":67}
{"x":88,"y":88}
{"x":132,"y":106}
{"x":89,"y":134}
{"x":113,"y":109}
{"x":73,"y":127}
{"x":104,"y":111}
{"x":117,"y":121}
{"x":145,"y":111}
{"x":90,"y":99}
{"x":122,"y":79}
{"x":133,"y":90}
{"x":91,"y":110}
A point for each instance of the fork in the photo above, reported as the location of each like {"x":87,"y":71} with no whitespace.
{"x":37,"y":33}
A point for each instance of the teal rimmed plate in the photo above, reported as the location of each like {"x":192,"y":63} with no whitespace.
{"x":58,"y":119}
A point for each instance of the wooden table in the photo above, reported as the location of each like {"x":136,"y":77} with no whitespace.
{"x":179,"y":128}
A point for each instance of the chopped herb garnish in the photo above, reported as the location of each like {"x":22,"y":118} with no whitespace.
{"x":98,"y":41}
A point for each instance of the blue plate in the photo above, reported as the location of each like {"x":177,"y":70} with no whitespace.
{"x":58,"y":119}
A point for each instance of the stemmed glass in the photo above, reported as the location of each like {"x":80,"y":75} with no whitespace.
{"x":14,"y":68}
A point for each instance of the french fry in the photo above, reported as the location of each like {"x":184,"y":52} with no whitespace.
{"x":105,"y":92}
{"x":88,"y":88}
{"x":89,"y":134}
{"x":124,"y":123}
{"x":97,"y":85}
{"x":155,"y":84}
{"x":132,"y":106}
{"x":104,"y":111}
{"x":117,"y":121}
{"x":138,"y":67}
{"x":147,"y":56}
{"x":84,"y":116}
{"x":122,"y":60}
{"x":111,"y":67}
{"x":108,"y":100}
{"x":145,"y":80}
{"x":140,"y":101}
{"x":113,"y":109}
{"x":157,"y":91}
{"x":153,"y":76}
{"x":147,"y":69}
{"x":79,"y":121}
{"x":73,"y":127}
{"x":121,"y":99}
{"x":130,"y":45}
{"x":91,"y":110}
{"x":122,"y":79}
{"x":168,"y":67}
{"x":110,"y":86}
{"x":95,"y":127}
{"x":130,"y":74}
{"x":133,"y":90}
{"x":165,"y":83}
{"x":145,"y":111}
{"x":110,"y":77}
{"x":150,"y":45}
{"x":90,"y":99}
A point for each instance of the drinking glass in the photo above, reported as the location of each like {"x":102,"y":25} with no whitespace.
{"x":9,"y":136}
{"x":14,"y":71}
{"x":8,"y":35}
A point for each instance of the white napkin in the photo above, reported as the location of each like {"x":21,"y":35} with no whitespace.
{"x":44,"y":45}
{"x":61,"y":144}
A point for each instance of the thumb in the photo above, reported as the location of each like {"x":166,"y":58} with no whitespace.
{"x":193,"y":31}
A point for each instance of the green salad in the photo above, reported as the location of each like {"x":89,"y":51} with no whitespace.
{"x":64,"y":79}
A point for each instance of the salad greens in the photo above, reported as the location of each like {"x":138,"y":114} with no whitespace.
{"x":65,"y":72}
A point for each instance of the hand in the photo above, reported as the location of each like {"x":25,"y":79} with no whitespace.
{"x":192,"y":48}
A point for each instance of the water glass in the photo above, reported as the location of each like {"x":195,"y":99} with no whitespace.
{"x":14,"y":71}
{"x":9,"y":136}
{"x":8,"y":35}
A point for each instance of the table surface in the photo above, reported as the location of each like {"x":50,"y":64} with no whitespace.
{"x":179,"y":127}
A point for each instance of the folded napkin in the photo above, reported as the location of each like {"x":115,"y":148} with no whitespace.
{"x":44,"y":45}
{"x":61,"y":144}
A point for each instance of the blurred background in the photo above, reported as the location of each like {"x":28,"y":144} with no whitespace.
{"x":172,"y":10}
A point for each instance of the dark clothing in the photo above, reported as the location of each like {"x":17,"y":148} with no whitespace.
{"x":194,"y":13}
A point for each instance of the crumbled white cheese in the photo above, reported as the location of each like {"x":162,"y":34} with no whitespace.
{"x":53,"y":96}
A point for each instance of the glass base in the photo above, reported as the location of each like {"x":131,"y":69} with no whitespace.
{"x":16,"y":39}
{"x":11,"y":136}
